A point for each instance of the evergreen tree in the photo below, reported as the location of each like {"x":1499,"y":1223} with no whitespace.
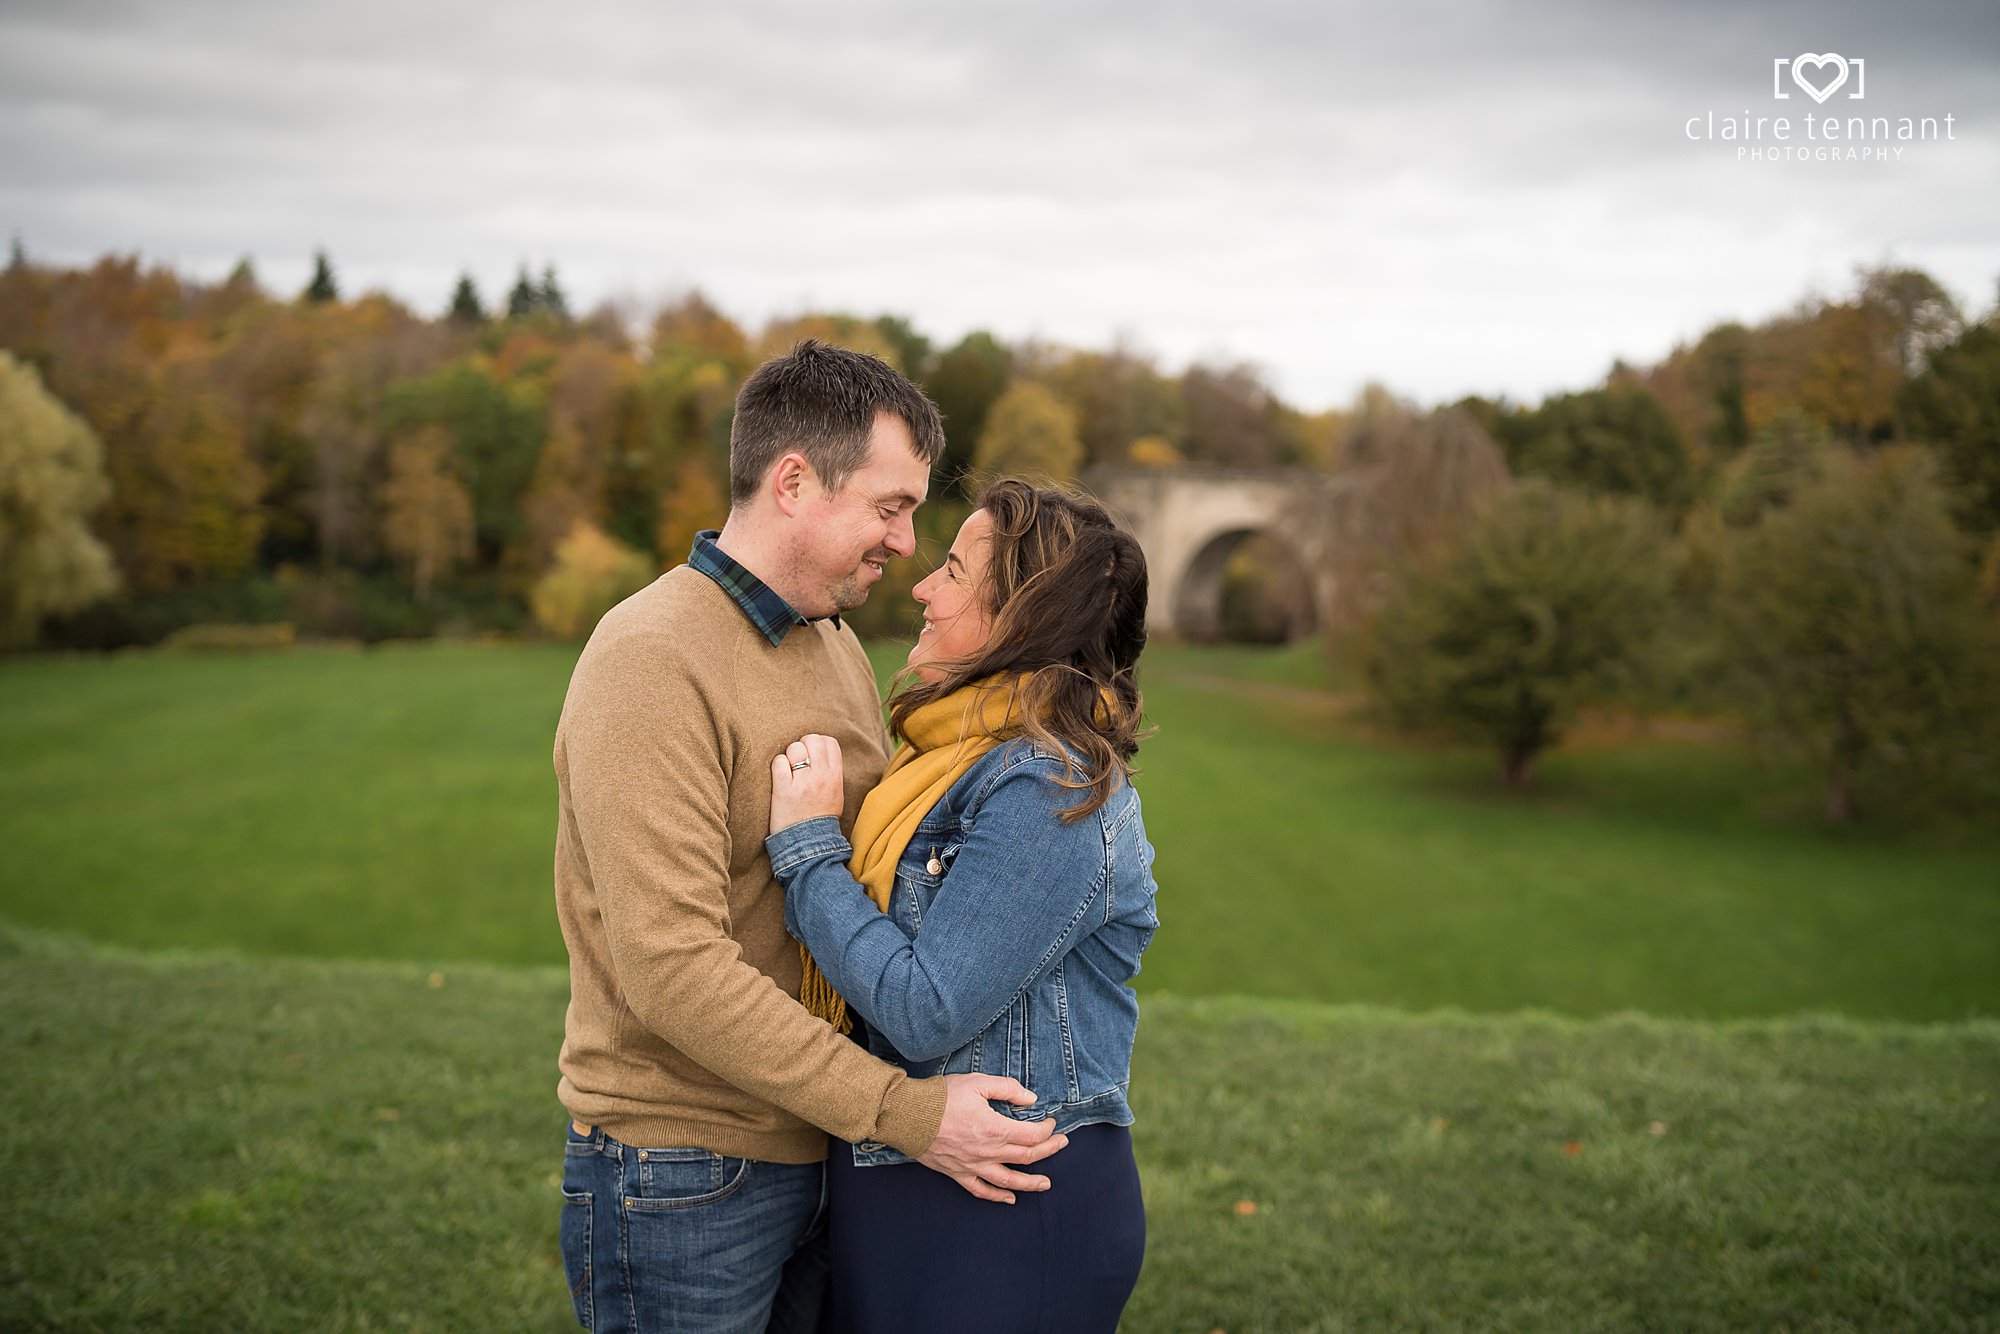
{"x":465,"y":306}
{"x":322,"y":288}
{"x":17,"y":257}
{"x":549,"y":297}
{"x":525,"y":299}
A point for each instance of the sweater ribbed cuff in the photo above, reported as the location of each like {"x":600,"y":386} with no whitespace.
{"x":912,"y":1113}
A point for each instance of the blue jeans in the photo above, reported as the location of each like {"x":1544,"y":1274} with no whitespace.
{"x":684,"y":1241}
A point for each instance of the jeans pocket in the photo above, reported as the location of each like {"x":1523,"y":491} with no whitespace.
{"x":685,"y":1179}
{"x":577,"y":1209}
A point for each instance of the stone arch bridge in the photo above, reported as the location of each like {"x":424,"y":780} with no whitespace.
{"x":1190,"y":520}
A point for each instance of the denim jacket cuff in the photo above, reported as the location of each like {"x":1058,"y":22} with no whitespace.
{"x":795,"y":845}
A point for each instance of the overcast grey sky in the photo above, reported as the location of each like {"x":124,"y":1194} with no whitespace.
{"x":1448,"y":197}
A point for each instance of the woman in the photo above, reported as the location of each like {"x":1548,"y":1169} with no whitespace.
{"x":988,"y":917}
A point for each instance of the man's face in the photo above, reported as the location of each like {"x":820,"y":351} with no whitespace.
{"x":847,"y":536}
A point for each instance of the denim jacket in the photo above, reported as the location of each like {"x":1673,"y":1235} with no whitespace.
{"x":1009,"y":942}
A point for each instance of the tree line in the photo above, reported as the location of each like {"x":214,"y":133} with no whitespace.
{"x":1796,"y":524}
{"x":177,"y":455}
{"x":355,"y":468}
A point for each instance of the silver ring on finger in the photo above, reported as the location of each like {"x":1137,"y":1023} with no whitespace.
{"x":801,"y":764}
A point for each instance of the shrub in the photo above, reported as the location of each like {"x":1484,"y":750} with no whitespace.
{"x":229,"y":638}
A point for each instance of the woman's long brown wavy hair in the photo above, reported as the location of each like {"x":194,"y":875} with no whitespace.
{"x":1067,"y":590}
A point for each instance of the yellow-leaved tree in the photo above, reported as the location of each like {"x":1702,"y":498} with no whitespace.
{"x":592,"y":573}
{"x":51,"y":478}
{"x":427,"y":521}
{"x":1031,"y":434}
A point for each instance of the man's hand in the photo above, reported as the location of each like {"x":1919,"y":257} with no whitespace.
{"x":806,"y":781}
{"x":975,"y":1144}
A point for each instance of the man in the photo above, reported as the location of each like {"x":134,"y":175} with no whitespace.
{"x":699,"y":1088}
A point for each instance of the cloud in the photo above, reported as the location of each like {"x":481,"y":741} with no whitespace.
{"x":1450,"y":198}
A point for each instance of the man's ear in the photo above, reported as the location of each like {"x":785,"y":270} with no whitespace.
{"x":790,"y":480}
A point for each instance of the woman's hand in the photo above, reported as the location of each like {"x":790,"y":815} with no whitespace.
{"x":806,"y":781}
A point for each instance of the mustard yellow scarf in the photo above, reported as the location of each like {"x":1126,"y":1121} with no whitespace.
{"x":946,"y":737}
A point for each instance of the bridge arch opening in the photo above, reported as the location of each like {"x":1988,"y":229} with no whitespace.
{"x":1245,"y":586}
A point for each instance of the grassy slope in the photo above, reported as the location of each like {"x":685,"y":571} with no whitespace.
{"x":210,"y":1142}
{"x":398,"y":803}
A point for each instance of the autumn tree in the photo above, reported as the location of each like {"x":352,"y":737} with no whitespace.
{"x":343,"y":421}
{"x":426,"y":511}
{"x":51,"y":479}
{"x":1551,"y":597}
{"x":1412,"y":482}
{"x":1119,"y":396}
{"x":857,"y":335}
{"x":1705,"y":390}
{"x":1030,"y":433}
{"x":1233,"y":418}
{"x":180,"y":384}
{"x":697,"y":500}
{"x":1853,"y":618}
{"x":496,"y":427}
{"x":264,"y":361}
{"x":1852,"y":372}
{"x":589,"y":399}
{"x":185,"y":493}
{"x":592,"y":573}
{"x":681,"y":406}
{"x":691,"y":326}
{"x":1912,"y":316}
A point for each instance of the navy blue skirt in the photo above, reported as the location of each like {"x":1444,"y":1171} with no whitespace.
{"x":913,"y":1252}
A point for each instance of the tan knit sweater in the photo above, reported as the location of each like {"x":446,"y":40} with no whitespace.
{"x":684,"y":1027}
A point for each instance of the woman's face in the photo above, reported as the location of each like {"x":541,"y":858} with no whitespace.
{"x":953,"y":596}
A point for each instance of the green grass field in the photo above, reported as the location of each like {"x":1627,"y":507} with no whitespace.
{"x":398,"y":803}
{"x":204,"y":1142}
{"x":282,"y":1011}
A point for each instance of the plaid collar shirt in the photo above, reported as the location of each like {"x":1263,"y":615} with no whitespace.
{"x":772,"y":615}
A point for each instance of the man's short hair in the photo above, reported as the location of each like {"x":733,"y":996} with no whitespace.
{"x":822,"y":401}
